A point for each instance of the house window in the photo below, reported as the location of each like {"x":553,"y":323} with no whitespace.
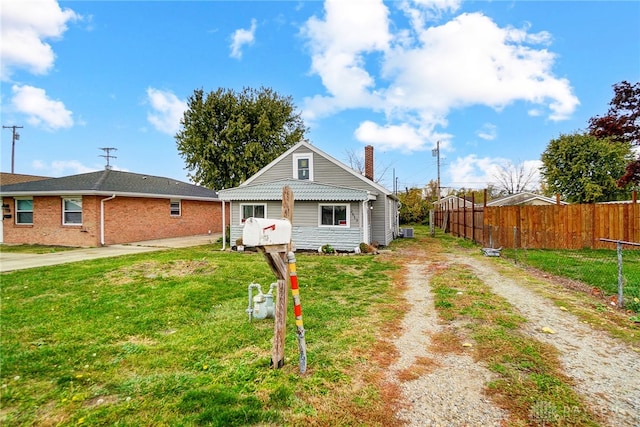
{"x":334,"y":215}
{"x":303,"y":166}
{"x":175,"y":208}
{"x":72,"y":211}
{"x":252,"y":211}
{"x":24,"y":211}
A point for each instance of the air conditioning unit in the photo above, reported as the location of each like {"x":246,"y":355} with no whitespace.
{"x":406,"y":232}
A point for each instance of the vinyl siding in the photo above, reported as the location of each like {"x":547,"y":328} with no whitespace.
{"x":312,"y":238}
{"x":307,"y":234}
{"x":327,"y":172}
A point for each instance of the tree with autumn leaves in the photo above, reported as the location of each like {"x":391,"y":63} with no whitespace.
{"x":622,"y":124}
{"x":599,"y":164}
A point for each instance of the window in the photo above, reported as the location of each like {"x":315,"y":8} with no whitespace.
{"x":175,"y":208}
{"x":72,"y":211}
{"x":332,"y":215}
{"x":303,"y":166}
{"x":255,"y":211}
{"x":24,"y":211}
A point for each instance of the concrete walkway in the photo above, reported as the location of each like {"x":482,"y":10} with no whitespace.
{"x":10,"y":261}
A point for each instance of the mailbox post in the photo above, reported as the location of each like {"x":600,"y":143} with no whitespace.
{"x":273,"y":239}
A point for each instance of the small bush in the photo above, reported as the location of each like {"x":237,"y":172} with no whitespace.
{"x":327,"y":249}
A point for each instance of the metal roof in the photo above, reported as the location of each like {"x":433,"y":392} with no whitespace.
{"x":302,"y":190}
{"x":108,"y":182}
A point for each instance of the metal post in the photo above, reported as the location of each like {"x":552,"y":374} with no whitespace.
{"x":515,"y":246}
{"x":620,"y":295}
{"x":619,"y":244}
{"x":432,"y":226}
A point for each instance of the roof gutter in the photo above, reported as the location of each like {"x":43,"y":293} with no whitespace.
{"x":224,"y":229}
{"x":102,"y":217}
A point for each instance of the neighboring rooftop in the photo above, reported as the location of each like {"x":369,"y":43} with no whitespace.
{"x":15,"y":178}
{"x":109,"y":182}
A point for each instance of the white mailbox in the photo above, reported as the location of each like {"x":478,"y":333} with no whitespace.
{"x":264,"y":232}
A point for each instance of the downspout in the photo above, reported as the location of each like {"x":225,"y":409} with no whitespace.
{"x":365,"y":222}
{"x":102,"y":217}
{"x":224,"y":230}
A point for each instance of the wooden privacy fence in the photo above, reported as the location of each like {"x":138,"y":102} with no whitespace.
{"x":544,"y":227}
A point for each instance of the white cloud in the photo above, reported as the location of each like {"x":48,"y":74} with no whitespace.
{"x":473,"y":171}
{"x":417,"y":76}
{"x":40,"y":110}
{"x":25,"y":27}
{"x":62,"y":167}
{"x":488,"y":132}
{"x":421,"y":11}
{"x":242,"y":37}
{"x":167,"y":112}
{"x":476,"y":172}
{"x":404,"y":137}
{"x":338,"y":44}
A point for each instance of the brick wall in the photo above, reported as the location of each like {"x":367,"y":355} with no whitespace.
{"x":47,"y":228}
{"x":127,"y":219}
{"x":134,"y":219}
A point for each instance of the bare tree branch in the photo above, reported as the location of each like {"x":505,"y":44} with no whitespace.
{"x":355,"y":160}
{"x":513,"y":179}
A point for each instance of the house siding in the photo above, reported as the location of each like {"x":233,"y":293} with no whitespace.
{"x":383,"y":227}
{"x":127,"y":219}
{"x":306,"y":233}
{"x":312,"y":238}
{"x":326,"y":172}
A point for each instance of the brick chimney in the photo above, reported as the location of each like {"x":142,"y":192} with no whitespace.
{"x":368,"y":162}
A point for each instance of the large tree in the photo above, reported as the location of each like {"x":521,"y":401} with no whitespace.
{"x":622,"y":124}
{"x":228,"y":136}
{"x":413,"y":208}
{"x":583,"y":168}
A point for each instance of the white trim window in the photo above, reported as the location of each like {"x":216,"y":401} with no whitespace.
{"x":72,"y":211}
{"x":175,"y":208}
{"x":303,"y":166}
{"x":252,"y":211}
{"x":334,"y":215}
{"x":24,"y":211}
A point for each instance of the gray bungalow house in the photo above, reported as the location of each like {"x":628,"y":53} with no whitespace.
{"x":333,"y":204}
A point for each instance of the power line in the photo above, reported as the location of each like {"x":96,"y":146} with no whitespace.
{"x":16,"y":137}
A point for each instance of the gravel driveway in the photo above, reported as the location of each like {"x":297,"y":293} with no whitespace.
{"x":606,"y":371}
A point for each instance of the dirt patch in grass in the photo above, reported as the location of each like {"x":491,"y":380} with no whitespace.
{"x":154,"y":269}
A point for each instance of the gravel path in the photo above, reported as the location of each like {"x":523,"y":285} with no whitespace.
{"x":606,"y":372}
{"x":451,"y":394}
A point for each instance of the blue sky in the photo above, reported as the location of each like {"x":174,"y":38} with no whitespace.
{"x":494,"y":82}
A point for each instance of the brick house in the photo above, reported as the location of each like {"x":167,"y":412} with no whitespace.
{"x":105,"y":208}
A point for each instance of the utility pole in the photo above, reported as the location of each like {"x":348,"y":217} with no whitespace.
{"x":436,"y":153}
{"x":16,"y":137}
{"x":108,"y":155}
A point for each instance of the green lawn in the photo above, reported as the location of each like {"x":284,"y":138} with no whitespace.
{"x":595,"y":267}
{"x":164,"y":339}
